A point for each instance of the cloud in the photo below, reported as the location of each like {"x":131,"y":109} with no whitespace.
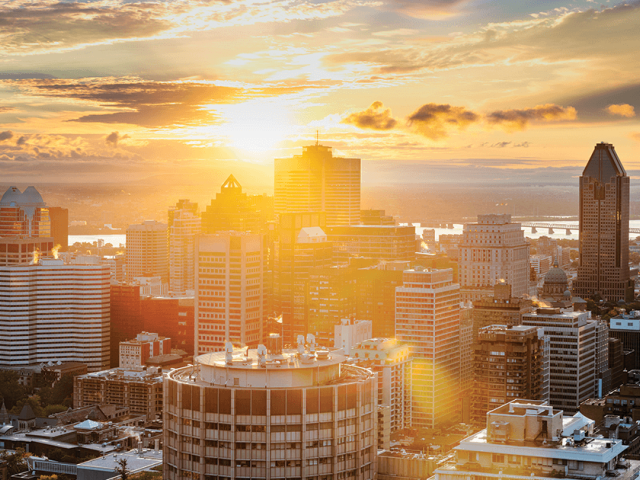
{"x":519,"y":119}
{"x":624,"y":110}
{"x":6,"y":109}
{"x":635,"y":136}
{"x":434,"y":121}
{"x":427,"y":9}
{"x":374,"y":118}
{"x":114,"y":137}
{"x":6,"y":135}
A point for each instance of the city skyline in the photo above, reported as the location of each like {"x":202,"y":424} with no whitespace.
{"x":123,"y":89}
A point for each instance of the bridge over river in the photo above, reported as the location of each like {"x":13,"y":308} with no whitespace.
{"x":568,"y":227}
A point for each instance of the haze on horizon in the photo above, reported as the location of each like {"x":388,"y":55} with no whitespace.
{"x":433,"y":91}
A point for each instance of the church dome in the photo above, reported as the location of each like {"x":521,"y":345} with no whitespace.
{"x":556,"y":276}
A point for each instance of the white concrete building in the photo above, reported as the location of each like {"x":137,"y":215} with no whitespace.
{"x":572,"y":355}
{"x":135,"y":352}
{"x":350,"y":333}
{"x":184,"y":227}
{"x":147,"y":251}
{"x":492,"y":250}
{"x":52,"y":311}
{"x":230,"y":294}
{"x":428,"y":319}
{"x":528,"y":439}
{"x":291,"y":414}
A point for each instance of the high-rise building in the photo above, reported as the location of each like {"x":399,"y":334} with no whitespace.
{"x":392,"y":361}
{"x":288,"y":414}
{"x":24,"y":214}
{"x":147,"y":251}
{"x":501,"y":309}
{"x":135,"y":352}
{"x":492,"y":250}
{"x":616,"y":362}
{"x":230,"y":292}
{"x":330,"y":299}
{"x":428,"y":319}
{"x":626,"y":328}
{"x":376,"y":217}
{"x":233,"y":210}
{"x":301,"y":244}
{"x":604,"y":228}
{"x":466,"y":359}
{"x":316,"y":181}
{"x":509,"y":363}
{"x":52,"y":311}
{"x":376,"y":296}
{"x":572,"y":358}
{"x":60,"y":226}
{"x":381,"y":242}
{"x":183,"y":227}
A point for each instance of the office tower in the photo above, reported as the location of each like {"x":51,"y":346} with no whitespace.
{"x":391,"y":360}
{"x":376,"y":296}
{"x":349,"y":333}
{"x":229,"y":290}
{"x":132,"y":313}
{"x":616,"y":362}
{"x":60,"y":226}
{"x":466,"y":359}
{"x":301,"y":244}
{"x":233,"y":210}
{"x":501,"y":309}
{"x":24,"y":214}
{"x":541,"y":263}
{"x":135,"y":352}
{"x":604,"y":228}
{"x":330,"y":299}
{"x":147,"y":251}
{"x":493,"y":249}
{"x":428,"y":319}
{"x":529,"y":438}
{"x":183,"y":227}
{"x":316,"y":181}
{"x":572,"y":344}
{"x":603,"y":372}
{"x":52,"y":311}
{"x":255,"y":423}
{"x":626,"y":328}
{"x":381,"y":242}
{"x":509,"y":364}
{"x":117,"y":266}
{"x":376,"y":217}
{"x":14,"y":251}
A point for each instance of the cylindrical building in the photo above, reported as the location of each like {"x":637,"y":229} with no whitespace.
{"x":283,"y":415}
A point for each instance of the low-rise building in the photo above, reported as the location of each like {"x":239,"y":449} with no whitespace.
{"x":141,"y":390}
{"x":531,"y":439}
{"x":135,"y":353}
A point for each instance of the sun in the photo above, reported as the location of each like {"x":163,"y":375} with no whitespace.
{"x":256,"y":126}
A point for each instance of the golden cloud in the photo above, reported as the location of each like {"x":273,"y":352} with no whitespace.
{"x":375,"y":118}
{"x":434,"y":121}
{"x":519,"y":119}
{"x":624,"y":110}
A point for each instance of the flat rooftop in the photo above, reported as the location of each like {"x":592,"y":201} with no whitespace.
{"x":135,"y":461}
{"x":289,"y":359}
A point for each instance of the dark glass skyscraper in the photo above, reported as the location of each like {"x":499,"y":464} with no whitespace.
{"x":604,"y":228}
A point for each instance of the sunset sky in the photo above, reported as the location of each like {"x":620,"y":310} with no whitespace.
{"x":114,"y":90}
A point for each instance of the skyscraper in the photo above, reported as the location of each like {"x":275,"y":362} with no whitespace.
{"x":60,"y":226}
{"x":604,"y":228}
{"x":184,"y":226}
{"x":147,"y":251}
{"x":428,"y":319}
{"x":230,"y":293}
{"x":316,"y":181}
{"x":493,"y":249}
{"x":52,"y":311}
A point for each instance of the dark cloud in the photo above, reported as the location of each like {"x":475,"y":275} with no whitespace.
{"x":6,"y":135}
{"x":6,"y":109}
{"x":375,"y":118}
{"x":434,"y":121}
{"x":114,"y":137}
{"x":519,"y":119}
{"x":21,"y":141}
{"x":594,"y":105}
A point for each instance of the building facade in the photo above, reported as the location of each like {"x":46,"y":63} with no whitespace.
{"x":492,"y":250}
{"x":230,"y":292}
{"x":380,"y":242}
{"x":147,"y":251}
{"x":134,"y":353}
{"x":183,"y":227}
{"x":501,"y":309}
{"x":51,"y":311}
{"x":24,"y":214}
{"x":316,"y":181}
{"x":284,"y":415}
{"x":604,"y":228}
{"x":428,"y":320}
{"x":510,"y":362}
{"x":572,"y":358}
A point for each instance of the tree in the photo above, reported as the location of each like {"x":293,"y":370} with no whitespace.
{"x":34,"y":403}
{"x":122,"y":469}
{"x":60,"y":394}
{"x":15,"y":462}
{"x":10,"y":389}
